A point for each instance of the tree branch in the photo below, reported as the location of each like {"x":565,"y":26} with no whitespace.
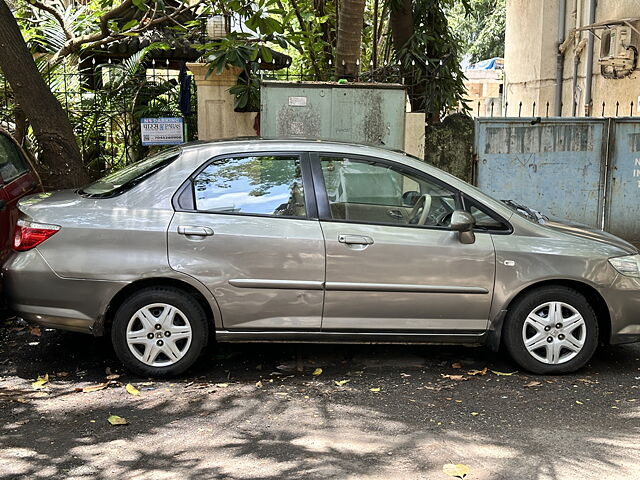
{"x":106,"y":36}
{"x":55,"y":14}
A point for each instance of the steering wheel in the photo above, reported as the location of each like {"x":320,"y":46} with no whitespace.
{"x":444,"y":219}
{"x":420,"y":210}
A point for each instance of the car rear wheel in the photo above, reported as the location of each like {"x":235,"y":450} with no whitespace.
{"x":159,"y":332}
{"x":551,"y":330}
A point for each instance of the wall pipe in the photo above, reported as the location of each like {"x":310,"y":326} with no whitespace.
{"x":589,"y":75}
{"x":557,"y":109}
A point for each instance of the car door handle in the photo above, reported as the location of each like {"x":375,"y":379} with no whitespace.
{"x":395,"y":213}
{"x":191,"y":231}
{"x":29,"y":188}
{"x":355,"y":239}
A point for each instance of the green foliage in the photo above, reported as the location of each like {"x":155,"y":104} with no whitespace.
{"x":479,"y":30}
{"x":431,"y":60}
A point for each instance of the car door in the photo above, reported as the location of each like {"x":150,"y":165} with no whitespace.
{"x":17,"y":179}
{"x":246,"y":226}
{"x":392,"y":262}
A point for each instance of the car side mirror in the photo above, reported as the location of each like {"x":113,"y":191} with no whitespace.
{"x":463,"y":222}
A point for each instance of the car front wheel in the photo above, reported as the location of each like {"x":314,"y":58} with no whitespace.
{"x":551,"y":330}
{"x":159,"y":332}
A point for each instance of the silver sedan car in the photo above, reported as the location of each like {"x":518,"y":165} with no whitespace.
{"x":309,"y":241}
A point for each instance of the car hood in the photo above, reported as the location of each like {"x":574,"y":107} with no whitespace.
{"x":589,"y":233}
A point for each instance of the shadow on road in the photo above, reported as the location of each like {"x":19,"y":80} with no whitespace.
{"x":256,"y":411}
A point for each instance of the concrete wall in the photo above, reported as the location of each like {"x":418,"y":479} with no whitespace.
{"x":530,"y":57}
{"x":449,"y":145}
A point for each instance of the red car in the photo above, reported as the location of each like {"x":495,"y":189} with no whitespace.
{"x":17,"y":179}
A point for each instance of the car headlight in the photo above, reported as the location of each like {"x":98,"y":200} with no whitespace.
{"x":629,"y":265}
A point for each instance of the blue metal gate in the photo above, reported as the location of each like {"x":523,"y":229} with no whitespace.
{"x":623,"y":180}
{"x":552,"y":165}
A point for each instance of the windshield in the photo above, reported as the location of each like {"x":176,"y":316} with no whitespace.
{"x":126,"y":178}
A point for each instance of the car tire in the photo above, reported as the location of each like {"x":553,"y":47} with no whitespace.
{"x":159,"y":332}
{"x":551,"y":330}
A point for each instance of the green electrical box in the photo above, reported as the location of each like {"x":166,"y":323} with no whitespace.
{"x":357,"y":112}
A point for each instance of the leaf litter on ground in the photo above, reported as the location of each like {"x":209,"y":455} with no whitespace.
{"x":40,"y":383}
{"x":117,"y":420}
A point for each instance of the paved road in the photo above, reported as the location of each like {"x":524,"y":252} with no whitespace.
{"x":258,"y":412}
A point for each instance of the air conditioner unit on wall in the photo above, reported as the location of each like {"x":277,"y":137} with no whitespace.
{"x":618,"y":51}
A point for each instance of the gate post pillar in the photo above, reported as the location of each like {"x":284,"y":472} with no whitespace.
{"x":216,"y":116}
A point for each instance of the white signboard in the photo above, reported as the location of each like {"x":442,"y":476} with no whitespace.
{"x":161,"y":131}
{"x":297,"y":101}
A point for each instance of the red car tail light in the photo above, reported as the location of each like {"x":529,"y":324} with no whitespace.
{"x":29,"y":235}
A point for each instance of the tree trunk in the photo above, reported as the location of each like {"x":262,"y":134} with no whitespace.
{"x":51,"y":126}
{"x":350,"y":23}
{"x":401,"y":19}
{"x":402,"y":29}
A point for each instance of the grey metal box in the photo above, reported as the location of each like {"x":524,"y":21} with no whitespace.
{"x":363,"y":113}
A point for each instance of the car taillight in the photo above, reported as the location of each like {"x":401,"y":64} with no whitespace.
{"x":29,"y":234}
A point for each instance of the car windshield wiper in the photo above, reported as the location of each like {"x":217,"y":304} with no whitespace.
{"x":527,"y":212}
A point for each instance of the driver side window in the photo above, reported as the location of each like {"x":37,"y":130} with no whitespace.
{"x":375,"y":192}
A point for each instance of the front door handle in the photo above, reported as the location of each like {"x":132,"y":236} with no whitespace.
{"x":193,"y":231}
{"x":396,"y":213}
{"x":355,"y":239}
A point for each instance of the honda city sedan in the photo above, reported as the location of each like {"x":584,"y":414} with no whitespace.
{"x":311,"y":241}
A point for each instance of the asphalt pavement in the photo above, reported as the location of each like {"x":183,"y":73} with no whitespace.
{"x":287,"y":411}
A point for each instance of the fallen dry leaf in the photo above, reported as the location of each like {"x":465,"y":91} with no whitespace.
{"x":222,"y":385}
{"x":478,"y":372}
{"x":459,"y":470}
{"x":474,"y":414}
{"x":35,"y":331}
{"x":316,"y":372}
{"x":113,"y":376}
{"x":116,"y":420}
{"x":579,"y":402}
{"x":454,"y":377}
{"x":39,"y":384}
{"x":456,"y":365}
{"x":374,"y":389}
{"x":533,"y":384}
{"x":259,"y":384}
{"x":341,"y":382}
{"x":503,"y":374}
{"x":62,"y":374}
{"x":131,"y":389}
{"x":95,"y":388}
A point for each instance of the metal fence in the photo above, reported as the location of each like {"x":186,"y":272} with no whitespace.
{"x":578,"y":168}
{"x":496,"y":108}
{"x":105,"y":104}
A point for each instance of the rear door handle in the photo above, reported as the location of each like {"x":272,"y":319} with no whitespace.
{"x":355,"y":239}
{"x":194,"y":231}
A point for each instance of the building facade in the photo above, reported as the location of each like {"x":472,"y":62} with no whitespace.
{"x":572,"y":58}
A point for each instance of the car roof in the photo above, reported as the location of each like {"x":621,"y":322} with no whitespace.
{"x":307,"y":142}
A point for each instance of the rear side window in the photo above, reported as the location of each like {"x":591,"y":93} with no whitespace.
{"x":128,"y":177}
{"x":12,"y":164}
{"x":258,"y":185}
